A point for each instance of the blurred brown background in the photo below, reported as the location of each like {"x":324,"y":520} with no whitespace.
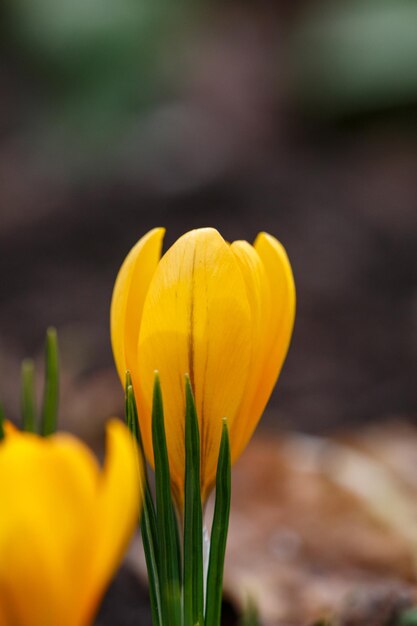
{"x":294,"y":118}
{"x":299,"y":120}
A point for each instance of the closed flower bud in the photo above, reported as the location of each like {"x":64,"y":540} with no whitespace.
{"x":221,"y":313}
{"x":64,"y":524}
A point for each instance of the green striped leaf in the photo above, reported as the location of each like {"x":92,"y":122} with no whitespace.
{"x":219,"y":533}
{"x":28,"y":400}
{"x":51,"y":389}
{"x":169,"y":564}
{"x":148,"y":519}
{"x":193,"y":604}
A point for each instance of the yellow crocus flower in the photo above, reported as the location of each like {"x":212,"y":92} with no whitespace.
{"x":222,"y":313}
{"x":64,"y":524}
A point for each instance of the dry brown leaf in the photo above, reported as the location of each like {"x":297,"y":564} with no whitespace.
{"x":317,"y":524}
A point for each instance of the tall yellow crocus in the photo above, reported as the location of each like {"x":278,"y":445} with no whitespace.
{"x":64,"y":525}
{"x":222,"y":313}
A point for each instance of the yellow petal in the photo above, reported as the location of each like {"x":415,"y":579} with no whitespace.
{"x":3,"y":617}
{"x":9,"y":428}
{"x":196,"y":320}
{"x":59,"y":540}
{"x":279,"y":324}
{"x":129,"y":294}
{"x":117,"y":513}
{"x":47,"y":489}
{"x":259,"y":296}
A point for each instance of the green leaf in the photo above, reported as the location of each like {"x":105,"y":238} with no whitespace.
{"x":177,"y":523}
{"x":193,"y":518}
{"x":2,"y":418}
{"x":148,"y":519}
{"x":51,"y":390}
{"x":219,"y":533}
{"x":28,"y":400}
{"x":169,"y":565}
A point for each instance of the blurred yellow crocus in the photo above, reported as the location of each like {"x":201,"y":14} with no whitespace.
{"x":64,"y":524}
{"x":222,"y":313}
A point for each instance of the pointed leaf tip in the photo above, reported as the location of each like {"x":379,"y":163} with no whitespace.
{"x":148,"y":521}
{"x":128,"y":379}
{"x":51,"y":389}
{"x":219,"y":533}
{"x":167,"y":530}
{"x":193,"y":525}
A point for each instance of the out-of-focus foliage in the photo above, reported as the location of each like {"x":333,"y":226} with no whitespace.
{"x":96,"y":63}
{"x":409,"y":618}
{"x":357,"y":57}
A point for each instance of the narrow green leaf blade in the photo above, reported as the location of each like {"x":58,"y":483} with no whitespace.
{"x":193,"y":605}
{"x":2,"y":418}
{"x":149,"y":548}
{"x":28,"y":401}
{"x":219,"y":533}
{"x":169,"y":566}
{"x":51,"y":389}
{"x":148,"y":519}
{"x":132,"y":421}
{"x":177,"y":541}
{"x":131,"y":413}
